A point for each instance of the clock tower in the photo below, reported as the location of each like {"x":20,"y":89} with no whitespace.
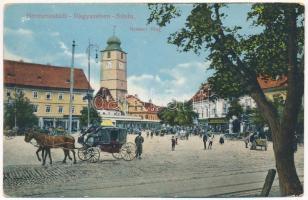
{"x":113,"y":69}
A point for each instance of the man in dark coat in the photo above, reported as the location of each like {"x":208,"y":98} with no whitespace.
{"x":221,"y":140}
{"x":138,"y":141}
{"x":204,"y":140}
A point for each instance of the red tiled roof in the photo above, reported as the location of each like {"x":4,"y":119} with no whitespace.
{"x":38,"y":75}
{"x":266,"y":83}
{"x":150,"y":107}
{"x":202,"y":93}
{"x":130,"y":96}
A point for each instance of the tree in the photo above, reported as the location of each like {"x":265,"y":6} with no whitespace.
{"x":257,"y":119}
{"x":235,"y":109}
{"x":275,"y":50}
{"x":19,"y":108}
{"x":300,"y":126}
{"x":94,"y":116}
{"x":178,"y":113}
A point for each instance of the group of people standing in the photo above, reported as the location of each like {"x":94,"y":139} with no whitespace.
{"x":206,"y":139}
{"x":209,"y":138}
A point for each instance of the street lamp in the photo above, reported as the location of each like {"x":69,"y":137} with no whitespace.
{"x":89,"y":97}
{"x":71,"y":88}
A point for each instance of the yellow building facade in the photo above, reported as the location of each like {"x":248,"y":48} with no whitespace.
{"x":50,"y":101}
{"x":272,"y":94}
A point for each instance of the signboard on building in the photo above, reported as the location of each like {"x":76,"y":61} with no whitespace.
{"x":217,"y":121}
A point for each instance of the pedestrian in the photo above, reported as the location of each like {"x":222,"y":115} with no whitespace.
{"x":173,"y":143}
{"x":187,"y":135}
{"x":211,"y":142}
{"x":204,"y":140}
{"x":138,"y":141}
{"x":246,"y":140}
{"x":51,"y":131}
{"x":221,"y":140}
{"x":252,"y":141}
{"x":246,"y":143}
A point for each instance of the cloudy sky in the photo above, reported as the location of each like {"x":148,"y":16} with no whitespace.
{"x":156,"y":70}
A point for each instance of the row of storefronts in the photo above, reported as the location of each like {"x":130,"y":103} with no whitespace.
{"x":46,"y":123}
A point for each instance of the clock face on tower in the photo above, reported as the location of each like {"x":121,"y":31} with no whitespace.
{"x":109,"y":65}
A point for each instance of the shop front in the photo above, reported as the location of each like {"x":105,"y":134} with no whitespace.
{"x":55,"y":122}
{"x":215,"y":124}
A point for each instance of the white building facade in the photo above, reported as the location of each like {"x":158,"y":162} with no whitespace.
{"x":212,"y":110}
{"x":206,"y":109}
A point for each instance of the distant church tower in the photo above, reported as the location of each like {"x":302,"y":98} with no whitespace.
{"x":113,"y":69}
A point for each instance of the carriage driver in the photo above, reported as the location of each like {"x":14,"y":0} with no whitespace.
{"x":139,"y":140}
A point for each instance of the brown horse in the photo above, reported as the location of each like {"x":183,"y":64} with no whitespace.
{"x":46,"y":142}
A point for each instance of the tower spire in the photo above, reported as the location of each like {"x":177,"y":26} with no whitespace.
{"x":114,"y":27}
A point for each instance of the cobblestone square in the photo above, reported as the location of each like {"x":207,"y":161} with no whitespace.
{"x":228,"y":170}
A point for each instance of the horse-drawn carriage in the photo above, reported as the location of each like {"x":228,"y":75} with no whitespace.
{"x":12,"y":133}
{"x":106,"y":139}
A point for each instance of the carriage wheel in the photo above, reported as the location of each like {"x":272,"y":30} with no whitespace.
{"x":117,"y":155}
{"x":94,"y":154}
{"x":83,"y":154}
{"x":128,"y":151}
